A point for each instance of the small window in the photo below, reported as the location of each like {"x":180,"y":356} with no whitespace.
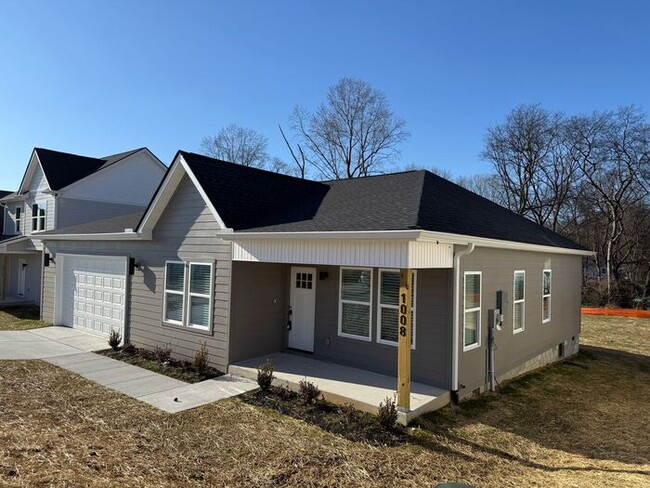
{"x":546,"y":296}
{"x":200,"y":295}
{"x":355,"y":303}
{"x":519,"y":301}
{"x":387,"y":315}
{"x":304,"y":280}
{"x":174,"y":292}
{"x":19,"y":218}
{"x":188,"y":294}
{"x":38,"y":217}
{"x":472,"y":310}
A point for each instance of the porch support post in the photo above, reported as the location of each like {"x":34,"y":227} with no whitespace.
{"x":4,"y":277}
{"x":404,"y":341}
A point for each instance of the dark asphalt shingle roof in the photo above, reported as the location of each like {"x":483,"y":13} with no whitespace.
{"x":4,"y":193}
{"x":113,"y":224}
{"x":253,"y":200}
{"x":62,"y":169}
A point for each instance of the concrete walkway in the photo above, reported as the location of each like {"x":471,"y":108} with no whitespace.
{"x":71,"y":349}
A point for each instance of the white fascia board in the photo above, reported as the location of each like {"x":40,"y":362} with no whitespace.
{"x":448,"y":238}
{"x":164,"y":195}
{"x":30,"y":171}
{"x":411,"y":235}
{"x":199,"y":188}
{"x":107,"y":236}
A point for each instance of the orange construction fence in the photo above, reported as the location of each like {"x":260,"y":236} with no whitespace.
{"x":617,"y":312}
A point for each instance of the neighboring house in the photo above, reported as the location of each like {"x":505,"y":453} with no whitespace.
{"x":58,"y":190}
{"x":252,"y":263}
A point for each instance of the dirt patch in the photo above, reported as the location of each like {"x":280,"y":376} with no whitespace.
{"x":23,"y":317}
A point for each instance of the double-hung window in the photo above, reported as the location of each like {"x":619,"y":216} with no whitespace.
{"x":388,"y":307}
{"x":188,"y":294}
{"x":472,"y":310}
{"x":18,"y":218}
{"x":546,"y":296}
{"x":355,"y":303}
{"x":38,"y":217}
{"x":519,"y":301}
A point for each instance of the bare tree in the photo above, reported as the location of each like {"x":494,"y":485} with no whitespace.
{"x":298,"y":156}
{"x":612,"y":152}
{"x":486,"y":185}
{"x":354,"y":133}
{"x":238,"y":145}
{"x":529,"y":157}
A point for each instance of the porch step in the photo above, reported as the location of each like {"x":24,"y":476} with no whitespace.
{"x":343,"y":384}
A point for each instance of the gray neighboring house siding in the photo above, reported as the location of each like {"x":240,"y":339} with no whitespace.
{"x":514,"y":350}
{"x":260,"y":303}
{"x":73,"y":211}
{"x":185,"y":231}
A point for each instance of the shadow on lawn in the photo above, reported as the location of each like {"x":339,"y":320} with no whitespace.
{"x":23,"y":312}
{"x":590,"y":405}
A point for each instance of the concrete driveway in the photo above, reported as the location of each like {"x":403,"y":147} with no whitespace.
{"x":71,"y":349}
{"x":47,"y":342}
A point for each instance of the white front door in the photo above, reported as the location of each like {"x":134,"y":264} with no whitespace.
{"x":303,"y":308}
{"x":22,"y":273}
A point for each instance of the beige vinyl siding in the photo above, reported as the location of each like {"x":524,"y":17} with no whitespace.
{"x":186,"y":231}
{"x":498,"y":267}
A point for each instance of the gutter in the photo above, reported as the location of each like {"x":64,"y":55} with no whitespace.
{"x":127,"y":234}
{"x":455,"y":351}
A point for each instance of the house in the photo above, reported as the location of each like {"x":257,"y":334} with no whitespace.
{"x":58,"y":190}
{"x":253,"y":263}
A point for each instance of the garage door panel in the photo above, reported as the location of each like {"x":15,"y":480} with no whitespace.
{"x":93,"y":293}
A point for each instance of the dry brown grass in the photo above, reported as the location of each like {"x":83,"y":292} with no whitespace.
{"x":620,"y":333}
{"x":579,"y":423}
{"x":20,"y":318}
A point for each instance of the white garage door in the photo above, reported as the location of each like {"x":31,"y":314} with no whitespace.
{"x":93,"y":291}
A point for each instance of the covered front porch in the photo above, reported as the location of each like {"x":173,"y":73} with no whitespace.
{"x":344,"y":384}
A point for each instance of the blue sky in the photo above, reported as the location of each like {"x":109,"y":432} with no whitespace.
{"x":97,"y":78}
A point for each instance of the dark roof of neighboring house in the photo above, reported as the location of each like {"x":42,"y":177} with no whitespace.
{"x":4,"y":193}
{"x":62,"y":169}
{"x":113,"y":224}
{"x":253,"y":200}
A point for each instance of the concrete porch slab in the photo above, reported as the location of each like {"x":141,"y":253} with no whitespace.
{"x":343,"y":384}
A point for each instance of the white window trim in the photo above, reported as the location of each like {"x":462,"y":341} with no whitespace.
{"x":395,"y":307}
{"x":19,"y":221}
{"x":466,"y":310}
{"x":369,"y":304}
{"x":515,"y":302}
{"x":38,"y":217}
{"x":174,"y":292}
{"x":549,"y":296}
{"x":210,"y":297}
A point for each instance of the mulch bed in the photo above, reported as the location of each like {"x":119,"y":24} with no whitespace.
{"x":617,"y":312}
{"x":344,"y":421}
{"x":181,"y":370}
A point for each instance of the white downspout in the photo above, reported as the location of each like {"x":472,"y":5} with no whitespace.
{"x":455,"y":350}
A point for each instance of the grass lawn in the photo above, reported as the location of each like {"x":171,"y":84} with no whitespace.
{"x":20,"y":318}
{"x":579,"y":423}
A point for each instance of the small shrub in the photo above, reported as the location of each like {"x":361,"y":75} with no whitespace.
{"x":265,"y":375}
{"x":201,"y":359}
{"x":129,"y":349}
{"x":163,"y":353}
{"x":284,"y":393}
{"x":387,"y":413}
{"x":114,"y":339}
{"x":346,"y":411}
{"x":308,"y":392}
{"x":146,"y":354}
